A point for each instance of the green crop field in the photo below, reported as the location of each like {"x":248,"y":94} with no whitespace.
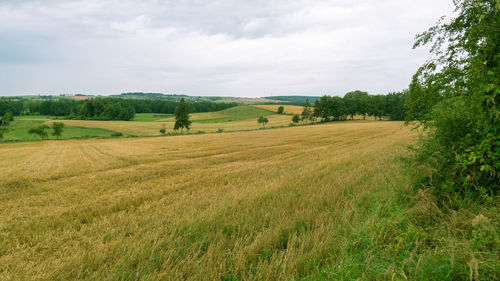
{"x":238,"y":113}
{"x":150,"y":117}
{"x":18,"y":131}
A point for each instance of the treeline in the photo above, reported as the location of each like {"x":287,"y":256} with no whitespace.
{"x":361,"y":103}
{"x":102,"y":108}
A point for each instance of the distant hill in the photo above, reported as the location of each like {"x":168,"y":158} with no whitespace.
{"x":293,"y":99}
{"x":171,"y":97}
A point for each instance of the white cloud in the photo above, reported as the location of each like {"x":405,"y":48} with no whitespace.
{"x":240,"y":48}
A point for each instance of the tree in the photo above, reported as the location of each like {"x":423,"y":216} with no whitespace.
{"x":182,"y":116}
{"x":57,"y":128}
{"x":2,"y":132}
{"x":8,"y":117}
{"x":307,"y":111}
{"x":40,"y":131}
{"x":281,"y":110}
{"x":377,"y":106}
{"x":295,"y":118}
{"x":263,"y":120}
{"x":163,"y":130}
{"x":356,"y":103}
{"x":455,"y":96}
{"x":395,"y":105}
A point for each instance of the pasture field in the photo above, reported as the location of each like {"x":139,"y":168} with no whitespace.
{"x":18,"y":131}
{"x":260,"y":205}
{"x":287,"y":109}
{"x":150,"y":117}
{"x":237,"y":113}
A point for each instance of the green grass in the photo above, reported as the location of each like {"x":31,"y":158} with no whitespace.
{"x":150,"y":117}
{"x":18,"y":131}
{"x":238,"y":113}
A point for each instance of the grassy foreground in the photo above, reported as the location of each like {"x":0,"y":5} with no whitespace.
{"x":325,"y":202}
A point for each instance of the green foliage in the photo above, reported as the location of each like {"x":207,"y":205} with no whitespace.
{"x":7,"y":118}
{"x":307,"y":113}
{"x":57,"y":128}
{"x":182,"y":116}
{"x":281,"y":110}
{"x":356,"y":103}
{"x":395,"y":105}
{"x":377,"y":106}
{"x":18,"y":131}
{"x":102,"y":108}
{"x":220,"y":130}
{"x":295,"y":118}
{"x":455,"y":96}
{"x":2,"y":131}
{"x":263,"y":120}
{"x":327,"y":107}
{"x":40,"y":131}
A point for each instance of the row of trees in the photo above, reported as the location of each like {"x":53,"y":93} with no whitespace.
{"x":57,"y":129}
{"x":359,"y":103}
{"x":103,"y":108}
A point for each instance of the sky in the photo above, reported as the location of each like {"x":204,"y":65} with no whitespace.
{"x":239,"y":48}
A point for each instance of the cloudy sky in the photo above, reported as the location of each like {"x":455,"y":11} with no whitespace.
{"x":248,"y":48}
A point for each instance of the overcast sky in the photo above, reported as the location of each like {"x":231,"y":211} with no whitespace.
{"x":248,"y":48}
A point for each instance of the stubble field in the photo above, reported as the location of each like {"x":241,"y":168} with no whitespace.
{"x":260,"y":205}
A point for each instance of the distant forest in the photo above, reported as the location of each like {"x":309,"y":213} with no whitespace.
{"x":102,"y":108}
{"x":361,"y":103}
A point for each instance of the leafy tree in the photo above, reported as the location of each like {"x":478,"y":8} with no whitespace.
{"x":322,"y":108}
{"x":40,"y":131}
{"x":57,"y":128}
{"x":182,"y":116}
{"x":281,"y":109}
{"x":295,"y":118}
{"x":263,"y":120}
{"x":307,"y":113}
{"x":163,"y":130}
{"x":395,"y":105}
{"x":8,"y":117}
{"x":377,"y":106}
{"x":357,"y":102}
{"x":2,"y":132}
{"x":455,"y":96}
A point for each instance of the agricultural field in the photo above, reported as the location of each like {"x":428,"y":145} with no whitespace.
{"x":332,"y":201}
{"x":270,"y":204}
{"x":287,"y":109}
{"x":240,"y":118}
{"x":18,"y":131}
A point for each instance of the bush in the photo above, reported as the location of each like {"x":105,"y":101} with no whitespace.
{"x":117,"y":134}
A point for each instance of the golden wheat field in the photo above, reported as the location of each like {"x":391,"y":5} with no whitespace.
{"x":259,"y":205}
{"x":287,"y":109}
